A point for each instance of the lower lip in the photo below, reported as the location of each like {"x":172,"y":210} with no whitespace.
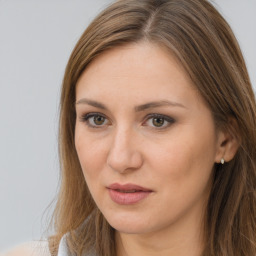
{"x":128,"y":198}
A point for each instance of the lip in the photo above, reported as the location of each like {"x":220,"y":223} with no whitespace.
{"x":128,"y":194}
{"x":128,"y":186}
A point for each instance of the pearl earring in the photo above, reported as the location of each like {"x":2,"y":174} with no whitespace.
{"x":222,"y":160}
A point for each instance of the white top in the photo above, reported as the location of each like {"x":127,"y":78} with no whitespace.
{"x":63,"y":249}
{"x":39,"y":248}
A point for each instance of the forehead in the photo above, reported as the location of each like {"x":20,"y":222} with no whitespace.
{"x":143,"y":57}
{"x":143,"y":71}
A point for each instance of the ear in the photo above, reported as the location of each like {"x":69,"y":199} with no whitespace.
{"x":228,"y":141}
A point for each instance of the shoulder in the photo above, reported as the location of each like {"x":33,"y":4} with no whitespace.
{"x":36,"y":248}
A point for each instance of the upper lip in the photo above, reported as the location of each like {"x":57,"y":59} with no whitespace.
{"x":128,"y":187}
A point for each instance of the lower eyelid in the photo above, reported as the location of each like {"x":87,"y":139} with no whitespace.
{"x":85,"y":118}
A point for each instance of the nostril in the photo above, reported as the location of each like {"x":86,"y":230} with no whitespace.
{"x":124,"y":161}
{"x":125,"y":152}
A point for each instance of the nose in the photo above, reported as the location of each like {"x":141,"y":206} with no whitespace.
{"x":124,"y":154}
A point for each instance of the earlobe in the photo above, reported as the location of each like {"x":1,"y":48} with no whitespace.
{"x":228,"y":142}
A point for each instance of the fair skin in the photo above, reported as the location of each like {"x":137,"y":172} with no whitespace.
{"x":171,"y":153}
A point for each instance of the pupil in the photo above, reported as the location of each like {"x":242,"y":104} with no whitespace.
{"x":158,"y":121}
{"x":98,"y":120}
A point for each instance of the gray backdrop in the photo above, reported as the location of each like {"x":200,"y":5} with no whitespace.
{"x":36,"y":39}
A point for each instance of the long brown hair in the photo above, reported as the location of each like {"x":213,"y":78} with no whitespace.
{"x":204,"y":44}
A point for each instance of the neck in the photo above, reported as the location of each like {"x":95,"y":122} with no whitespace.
{"x":179,"y":239}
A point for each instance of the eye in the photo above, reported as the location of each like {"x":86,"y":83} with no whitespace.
{"x":159,"y":121}
{"x":94,"y":120}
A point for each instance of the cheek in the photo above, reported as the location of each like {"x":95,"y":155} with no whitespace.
{"x":87,"y":153}
{"x":184,"y":160}
{"x":92,"y":161}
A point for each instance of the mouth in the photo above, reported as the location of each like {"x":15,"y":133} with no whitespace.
{"x":128,"y":188}
{"x":126,"y":191}
{"x":128,"y":194}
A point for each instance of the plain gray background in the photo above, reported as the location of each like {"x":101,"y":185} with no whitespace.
{"x":36,"y":39}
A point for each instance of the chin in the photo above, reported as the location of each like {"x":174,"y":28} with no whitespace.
{"x":129,"y":224}
{"x":129,"y":228}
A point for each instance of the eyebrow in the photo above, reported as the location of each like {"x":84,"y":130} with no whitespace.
{"x":149,"y":105}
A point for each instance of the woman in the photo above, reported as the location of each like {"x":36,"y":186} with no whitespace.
{"x":157,"y":136}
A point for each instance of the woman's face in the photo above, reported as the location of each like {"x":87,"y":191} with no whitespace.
{"x":145,"y":139}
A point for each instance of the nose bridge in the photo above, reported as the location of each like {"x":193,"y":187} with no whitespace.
{"x":121,"y":137}
{"x":124,"y":153}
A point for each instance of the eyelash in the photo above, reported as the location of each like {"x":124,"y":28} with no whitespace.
{"x":168,"y":120}
{"x":85,"y":118}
